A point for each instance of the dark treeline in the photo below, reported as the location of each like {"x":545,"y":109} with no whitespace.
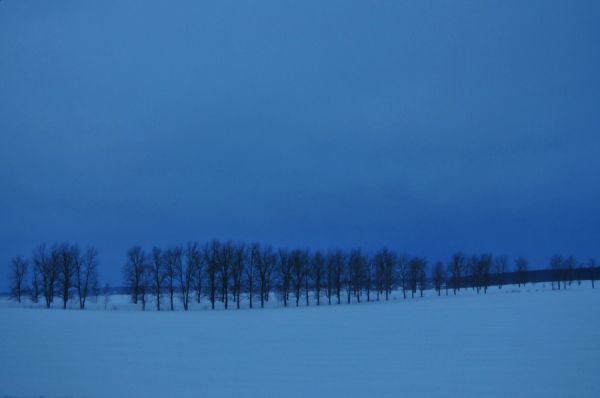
{"x":230,"y":273}
{"x":227,"y":272}
{"x":62,"y":271}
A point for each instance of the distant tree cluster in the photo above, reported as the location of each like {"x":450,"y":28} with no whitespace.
{"x":224,"y":272}
{"x":565,"y":270}
{"x":230,"y":273}
{"x":62,"y":271}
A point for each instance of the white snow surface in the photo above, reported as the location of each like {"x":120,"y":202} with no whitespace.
{"x":532,"y":342}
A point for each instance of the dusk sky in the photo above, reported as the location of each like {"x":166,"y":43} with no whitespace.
{"x":428,"y":127}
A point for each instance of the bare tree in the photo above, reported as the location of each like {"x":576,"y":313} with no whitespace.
{"x":267,"y":261}
{"x":298,"y":260}
{"x":186,"y":272}
{"x":500,"y":270}
{"x":593,"y":272}
{"x":145,"y":285}
{"x":385,"y":262}
{"x":134,"y":272}
{"x":389,"y":268}
{"x":455,"y":270}
{"x":47,"y":263}
{"x":254,"y":261}
{"x":521,"y":265}
{"x":438,"y":277}
{"x":68,"y":257}
{"x":329,"y":275}
{"x":308,"y":272}
{"x":446,"y":281}
{"x":211,"y":256}
{"x":474,"y":272}
{"x":370,"y":276}
{"x":18,"y":273}
{"x":556,"y":264}
{"x":417,"y":272}
{"x":159,"y":274}
{"x":173,"y":258}
{"x":319,"y":269}
{"x":485,"y":268}
{"x":403,"y":262}
{"x":35,"y":284}
{"x":86,"y":275}
{"x":422,"y":275}
{"x":347,"y":278}
{"x":569,"y":270}
{"x":106,"y":295}
{"x":285,"y":274}
{"x":237,"y":271}
{"x":332,"y":277}
{"x":356,"y":273}
{"x":225,"y":260}
{"x":378,"y":271}
{"x":199,"y":277}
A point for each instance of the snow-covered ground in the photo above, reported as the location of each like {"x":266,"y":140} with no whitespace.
{"x":533,"y":342}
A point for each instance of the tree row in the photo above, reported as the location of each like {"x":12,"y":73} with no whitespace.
{"x":226,"y":272}
{"x":231,"y":273}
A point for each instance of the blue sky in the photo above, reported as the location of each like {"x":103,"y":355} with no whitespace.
{"x":426,"y":126}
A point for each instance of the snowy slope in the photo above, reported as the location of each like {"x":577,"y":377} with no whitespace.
{"x":535,"y":343}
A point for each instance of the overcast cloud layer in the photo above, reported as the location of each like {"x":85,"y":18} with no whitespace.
{"x":429,"y":127}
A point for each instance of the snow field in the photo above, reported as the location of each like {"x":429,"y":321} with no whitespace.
{"x":531,"y":343}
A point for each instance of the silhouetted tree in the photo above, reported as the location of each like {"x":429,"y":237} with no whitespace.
{"x":285,"y":274}
{"x":307,"y":276}
{"x":413,"y":275}
{"x":266,"y":262}
{"x":384,"y":265}
{"x":438,"y":277}
{"x":485,"y":268}
{"x":134,"y":272}
{"x":455,"y":270}
{"x":474,"y":273}
{"x":159,"y":274}
{"x":18,"y":274}
{"x":319,"y":269}
{"x":47,"y":264}
{"x":254,"y":258}
{"x":335,"y":270}
{"x":186,"y":272}
{"x":330,"y":274}
{"x":347,"y":277}
{"x":211,"y":256}
{"x":86,"y":275}
{"x":379,"y":274}
{"x":357,"y":264}
{"x":35,"y":284}
{"x":298,"y":260}
{"x":173,"y":258}
{"x":569,"y":270}
{"x":106,"y":295}
{"x":521,"y":266}
{"x":225,"y":260}
{"x":500,"y":270}
{"x":403,"y":272}
{"x":593,"y":272}
{"x":422,"y":275}
{"x":370,"y":275}
{"x":199,"y":271}
{"x":145,"y":285}
{"x":556,"y":265}
{"x":237,"y":271}
{"x":68,"y":257}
